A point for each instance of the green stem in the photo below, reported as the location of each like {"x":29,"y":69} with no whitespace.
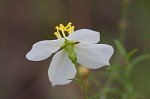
{"x":123,"y":24}
{"x":81,"y":82}
{"x":109,"y":83}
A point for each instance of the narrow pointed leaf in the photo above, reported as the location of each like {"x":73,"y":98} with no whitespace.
{"x":121,"y":48}
{"x":76,"y":80}
{"x":139,"y":59}
{"x":131,"y":53}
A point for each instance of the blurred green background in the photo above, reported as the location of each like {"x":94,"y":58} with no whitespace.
{"x":24,"y":22}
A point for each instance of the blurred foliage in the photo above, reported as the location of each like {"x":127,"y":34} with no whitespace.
{"x":119,"y":84}
{"x":141,"y":23}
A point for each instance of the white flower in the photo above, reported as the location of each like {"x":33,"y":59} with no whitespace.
{"x":89,"y":54}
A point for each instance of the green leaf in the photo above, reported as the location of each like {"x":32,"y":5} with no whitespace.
{"x":112,"y":90}
{"x":131,"y":53}
{"x":139,"y":59}
{"x":121,"y":48}
{"x":105,"y":92}
{"x":96,"y":96}
{"x":76,"y":80}
{"x":92,"y":97}
{"x":108,"y":68}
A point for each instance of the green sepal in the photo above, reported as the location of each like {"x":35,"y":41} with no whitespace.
{"x":69,"y":46}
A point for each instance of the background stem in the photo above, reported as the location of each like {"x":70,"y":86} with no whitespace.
{"x":123,"y":24}
{"x":81,"y":82}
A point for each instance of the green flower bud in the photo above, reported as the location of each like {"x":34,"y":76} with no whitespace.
{"x":69,"y":46}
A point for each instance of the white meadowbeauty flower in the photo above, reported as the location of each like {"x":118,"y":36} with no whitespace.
{"x":83,"y":43}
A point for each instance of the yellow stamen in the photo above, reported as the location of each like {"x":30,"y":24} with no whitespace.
{"x":68,"y":29}
{"x":62,"y":30}
{"x":57,"y":35}
{"x":68,"y":25}
{"x":57,"y":28}
{"x":62,"y":26}
{"x":72,"y":28}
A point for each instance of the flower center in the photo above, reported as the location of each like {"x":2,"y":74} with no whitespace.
{"x":61,"y":30}
{"x":67,"y":45}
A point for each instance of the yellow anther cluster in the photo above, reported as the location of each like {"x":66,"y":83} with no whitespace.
{"x":64,"y":29}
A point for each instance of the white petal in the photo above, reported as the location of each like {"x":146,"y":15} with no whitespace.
{"x":61,"y":69}
{"x":43,"y":49}
{"x":84,"y":36}
{"x":93,"y":55}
